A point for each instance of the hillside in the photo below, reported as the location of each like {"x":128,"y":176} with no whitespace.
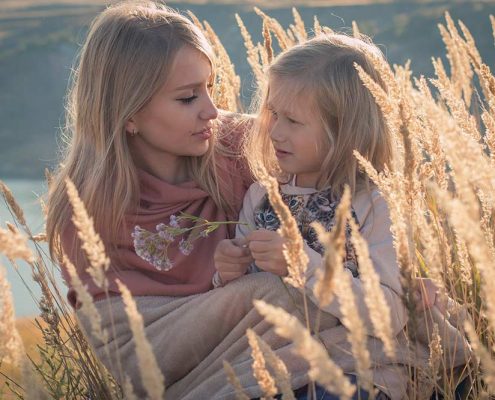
{"x":39,"y":40}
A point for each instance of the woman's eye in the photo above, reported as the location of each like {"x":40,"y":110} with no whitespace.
{"x":188,"y":100}
{"x":274,"y":113}
{"x":292,"y":121}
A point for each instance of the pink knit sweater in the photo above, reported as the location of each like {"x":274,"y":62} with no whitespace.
{"x":159,"y":200}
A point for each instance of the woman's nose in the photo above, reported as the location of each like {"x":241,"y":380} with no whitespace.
{"x":209,"y":111}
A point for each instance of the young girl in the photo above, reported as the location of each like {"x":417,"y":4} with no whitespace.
{"x":314,"y":112}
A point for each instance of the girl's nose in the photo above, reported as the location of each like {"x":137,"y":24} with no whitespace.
{"x":276,"y":134}
{"x":209,"y":110}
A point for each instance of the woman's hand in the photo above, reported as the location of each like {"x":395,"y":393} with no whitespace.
{"x":267,"y":250}
{"x":232,"y":259}
{"x":428,"y":295}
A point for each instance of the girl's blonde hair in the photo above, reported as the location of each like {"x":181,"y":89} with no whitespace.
{"x":127,"y":54}
{"x":322,"y":70}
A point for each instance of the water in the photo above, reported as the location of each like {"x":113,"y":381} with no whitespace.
{"x":27,"y":193}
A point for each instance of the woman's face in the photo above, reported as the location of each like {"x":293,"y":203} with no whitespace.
{"x":177,"y":120}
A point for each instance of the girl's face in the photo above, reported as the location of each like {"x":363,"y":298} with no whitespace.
{"x":177,"y":120}
{"x":296,"y":134}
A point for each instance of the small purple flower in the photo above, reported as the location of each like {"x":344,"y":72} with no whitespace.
{"x":161,"y":227}
{"x":174,"y":223}
{"x":185,"y":247}
{"x":166,"y":235}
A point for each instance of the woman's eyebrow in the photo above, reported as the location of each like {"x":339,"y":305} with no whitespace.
{"x":189,"y":86}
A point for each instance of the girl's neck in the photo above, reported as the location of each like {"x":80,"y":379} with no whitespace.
{"x":306,"y":180}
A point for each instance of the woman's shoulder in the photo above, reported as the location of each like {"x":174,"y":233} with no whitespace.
{"x":233,"y":127}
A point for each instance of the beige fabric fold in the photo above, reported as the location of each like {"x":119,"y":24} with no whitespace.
{"x":191,"y":336}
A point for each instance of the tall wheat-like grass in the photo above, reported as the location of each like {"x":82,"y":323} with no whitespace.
{"x":440,"y":191}
{"x":322,"y":368}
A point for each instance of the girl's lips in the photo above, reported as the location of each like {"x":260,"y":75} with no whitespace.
{"x":281,"y":153}
{"x":204,"y":134}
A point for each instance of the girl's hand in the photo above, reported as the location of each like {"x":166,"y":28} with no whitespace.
{"x":232,"y":259}
{"x":267,"y":250}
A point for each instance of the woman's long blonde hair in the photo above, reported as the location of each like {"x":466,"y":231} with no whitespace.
{"x":322,"y":70}
{"x":128,"y":51}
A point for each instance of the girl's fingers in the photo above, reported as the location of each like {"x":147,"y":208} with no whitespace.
{"x":262,"y":235}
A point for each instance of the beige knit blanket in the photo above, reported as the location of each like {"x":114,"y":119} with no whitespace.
{"x":191,"y":336}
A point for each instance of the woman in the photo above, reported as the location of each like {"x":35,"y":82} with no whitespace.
{"x":142,"y":148}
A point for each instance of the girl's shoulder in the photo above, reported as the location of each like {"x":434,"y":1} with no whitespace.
{"x":370,"y":207}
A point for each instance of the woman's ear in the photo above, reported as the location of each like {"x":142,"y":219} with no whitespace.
{"x":130,"y":126}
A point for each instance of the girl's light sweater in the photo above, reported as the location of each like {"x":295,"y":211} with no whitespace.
{"x":374,"y":223}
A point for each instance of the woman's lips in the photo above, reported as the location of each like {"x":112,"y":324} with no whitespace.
{"x":204,"y":134}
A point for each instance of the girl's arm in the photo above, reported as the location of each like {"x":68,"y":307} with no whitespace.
{"x":375,"y":226}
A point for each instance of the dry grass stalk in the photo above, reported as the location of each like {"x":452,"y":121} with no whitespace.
{"x":40,"y":237}
{"x":151,"y":375}
{"x":386,"y":104}
{"x":316,"y":26}
{"x":489,"y":122}
{"x":283,"y":39}
{"x":11,"y":347}
{"x":428,"y":379}
{"x":262,"y":375}
{"x":357,"y":334}
{"x":87,"y":307}
{"x":14,"y":245}
{"x":267,"y":40}
{"x":484,"y":356}
{"x":128,"y":389}
{"x":252,"y":52}
{"x":296,"y":257}
{"x":226,"y":93}
{"x":379,"y":311}
{"x":298,"y":29}
{"x":280,"y":371}
{"x":355,"y":30}
{"x":461,"y":72}
{"x":321,"y":368}
{"x":324,"y":287}
{"x":91,"y":241}
{"x":234,"y":381}
{"x":356,"y":331}
{"x":457,"y":106}
{"x":334,"y":243}
{"x":480,"y":253}
{"x":34,"y":389}
{"x":12,"y":203}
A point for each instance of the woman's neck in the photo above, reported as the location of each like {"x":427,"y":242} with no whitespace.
{"x":167,"y":167}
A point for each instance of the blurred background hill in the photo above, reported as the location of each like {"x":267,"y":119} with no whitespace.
{"x":39,"y":40}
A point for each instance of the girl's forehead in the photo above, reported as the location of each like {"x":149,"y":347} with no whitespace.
{"x":290,"y":95}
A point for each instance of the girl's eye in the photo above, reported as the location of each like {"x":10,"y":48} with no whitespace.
{"x":292,"y":121}
{"x":188,"y":100}
{"x":274,"y":113}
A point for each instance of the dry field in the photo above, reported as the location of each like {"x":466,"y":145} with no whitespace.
{"x":440,"y":192}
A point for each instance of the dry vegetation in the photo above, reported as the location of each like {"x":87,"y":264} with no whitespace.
{"x":441,"y":194}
